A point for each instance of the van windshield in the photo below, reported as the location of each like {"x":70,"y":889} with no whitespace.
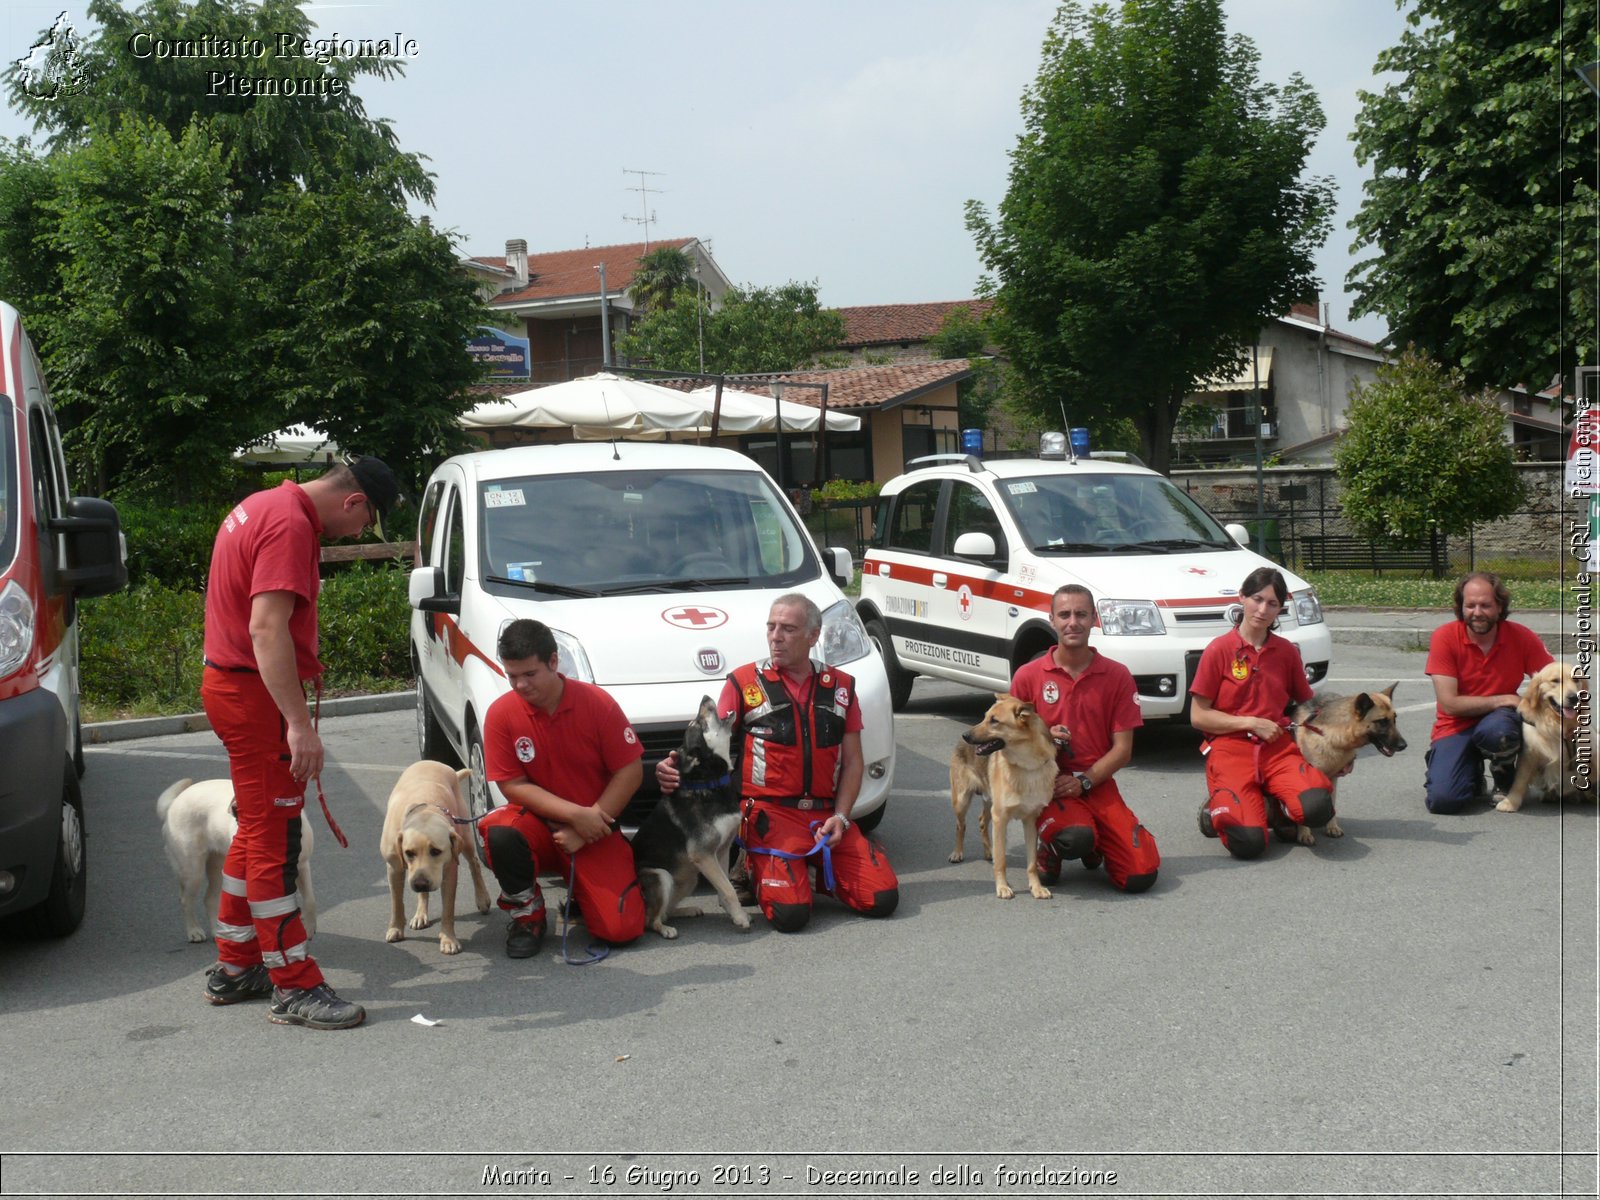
{"x":8,"y":482}
{"x":1071,"y":513}
{"x":615,"y":533}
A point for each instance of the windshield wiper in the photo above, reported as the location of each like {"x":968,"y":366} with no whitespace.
{"x":1183,"y":544}
{"x":673,"y":585}
{"x":539,"y":585}
{"x":1070,"y":548}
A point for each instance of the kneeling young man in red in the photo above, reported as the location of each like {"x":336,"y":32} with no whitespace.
{"x":800,"y":767}
{"x":567,"y":762}
{"x":1088,"y":701}
{"x":1242,"y":691}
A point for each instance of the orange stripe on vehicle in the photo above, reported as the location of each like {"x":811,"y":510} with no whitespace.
{"x":993,"y":589}
{"x":461,"y":646}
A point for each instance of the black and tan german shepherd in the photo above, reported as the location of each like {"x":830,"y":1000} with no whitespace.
{"x":689,"y":832}
{"x":1330,"y":730}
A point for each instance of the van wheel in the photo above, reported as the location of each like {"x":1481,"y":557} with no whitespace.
{"x":900,"y":679}
{"x":479,"y":798}
{"x":431,"y":741}
{"x":61,"y":911}
{"x":870,"y":822}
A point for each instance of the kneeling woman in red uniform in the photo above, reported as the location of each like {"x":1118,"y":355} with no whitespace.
{"x":1242,"y":691}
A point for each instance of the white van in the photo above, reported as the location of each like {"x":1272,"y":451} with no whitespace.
{"x":654,"y":565}
{"x":55,"y":549}
{"x":966,"y":554}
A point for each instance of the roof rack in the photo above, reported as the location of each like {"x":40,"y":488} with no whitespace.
{"x":974,"y":463}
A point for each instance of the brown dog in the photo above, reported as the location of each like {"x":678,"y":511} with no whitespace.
{"x":1331,"y":729}
{"x":422,"y":844}
{"x":1551,"y":733}
{"x":1010,"y":759}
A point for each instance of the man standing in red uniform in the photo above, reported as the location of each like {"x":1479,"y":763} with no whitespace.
{"x":260,"y":649}
{"x":1240,"y":698}
{"x":1088,"y":701}
{"x":567,"y":762}
{"x":800,"y":768}
{"x":1477,"y":663}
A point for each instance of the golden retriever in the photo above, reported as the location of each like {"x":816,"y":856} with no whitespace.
{"x":422,"y":845}
{"x":1330,"y":730}
{"x":1009,"y":758}
{"x":197,"y":827}
{"x":1555,"y":714}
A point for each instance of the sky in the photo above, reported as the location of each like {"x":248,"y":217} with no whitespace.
{"x":834,"y":142}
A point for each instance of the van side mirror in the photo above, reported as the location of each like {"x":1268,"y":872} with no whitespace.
{"x":976,"y":545}
{"x":840,"y":565}
{"x":1238,"y":533}
{"x":425,"y":590}
{"x":95,"y":559}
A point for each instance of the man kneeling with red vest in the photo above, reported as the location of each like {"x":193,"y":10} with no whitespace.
{"x":800,"y":767}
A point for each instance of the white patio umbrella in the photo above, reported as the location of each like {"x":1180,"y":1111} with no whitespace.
{"x":596,"y":405}
{"x":296,"y":444}
{"x":751,"y":412}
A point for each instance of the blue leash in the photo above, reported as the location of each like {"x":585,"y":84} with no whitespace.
{"x":821,"y":846}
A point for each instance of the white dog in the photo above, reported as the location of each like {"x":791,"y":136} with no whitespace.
{"x":197,"y":825}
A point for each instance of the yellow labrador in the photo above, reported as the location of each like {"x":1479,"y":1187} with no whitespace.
{"x":422,"y":846}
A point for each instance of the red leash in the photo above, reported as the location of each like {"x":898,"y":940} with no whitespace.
{"x":316,"y":724}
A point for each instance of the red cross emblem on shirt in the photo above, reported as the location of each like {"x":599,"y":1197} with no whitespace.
{"x":691,"y":617}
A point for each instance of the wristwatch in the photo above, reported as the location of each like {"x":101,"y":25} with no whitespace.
{"x":1085,"y":783}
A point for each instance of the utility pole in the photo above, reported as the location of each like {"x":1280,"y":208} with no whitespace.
{"x":605,"y":319}
{"x":647,"y":216}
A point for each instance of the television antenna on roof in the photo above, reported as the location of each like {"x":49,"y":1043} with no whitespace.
{"x":648,"y":214}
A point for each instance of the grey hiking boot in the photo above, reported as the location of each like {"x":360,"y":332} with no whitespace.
{"x":315,"y":1008}
{"x":252,"y":983}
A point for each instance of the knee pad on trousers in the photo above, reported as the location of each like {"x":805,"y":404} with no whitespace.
{"x":1139,"y":883}
{"x":1244,"y":841}
{"x":788,"y":918}
{"x":1075,"y":841}
{"x":883,"y":903}
{"x":511,"y":859}
{"x":1316,"y":807}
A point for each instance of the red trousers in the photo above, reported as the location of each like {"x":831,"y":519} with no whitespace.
{"x":1129,"y":848}
{"x":258,"y":918}
{"x":605,"y":886}
{"x":863,"y":880}
{"x":1242,"y":772}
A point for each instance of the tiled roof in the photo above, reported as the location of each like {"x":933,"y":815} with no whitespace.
{"x":882,"y":324}
{"x":1310,"y":315}
{"x":861,"y":387}
{"x":566,"y":273}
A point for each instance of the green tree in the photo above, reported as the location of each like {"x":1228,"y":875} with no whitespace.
{"x":270,"y":140}
{"x":1157,"y":214}
{"x":1420,"y":451}
{"x":660,"y":276}
{"x":752,"y":330}
{"x":1481,"y":209}
{"x":201,"y":272}
{"x":962,"y":335}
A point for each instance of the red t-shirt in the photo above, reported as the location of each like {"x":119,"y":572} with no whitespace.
{"x":1242,"y":681}
{"x":1517,"y":653}
{"x":1095,"y":705}
{"x":728,"y":702}
{"x":572,"y":752}
{"x":269,"y":543}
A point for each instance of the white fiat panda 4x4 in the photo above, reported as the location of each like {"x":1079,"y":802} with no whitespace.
{"x":966,"y":555}
{"x":654,"y":565}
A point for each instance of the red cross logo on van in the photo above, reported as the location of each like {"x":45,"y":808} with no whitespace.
{"x":964,"y":602}
{"x":691,"y":617}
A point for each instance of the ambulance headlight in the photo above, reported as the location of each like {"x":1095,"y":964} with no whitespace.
{"x":844,"y":637}
{"x":1307,"y":610}
{"x":573,"y":662}
{"x":1130,"y":618}
{"x":16,"y":627}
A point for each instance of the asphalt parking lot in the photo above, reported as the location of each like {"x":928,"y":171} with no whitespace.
{"x":1408,"y":1010}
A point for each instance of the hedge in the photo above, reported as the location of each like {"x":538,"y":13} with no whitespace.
{"x":141,"y":649}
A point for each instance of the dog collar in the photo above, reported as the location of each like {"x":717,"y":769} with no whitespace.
{"x":720,"y":781}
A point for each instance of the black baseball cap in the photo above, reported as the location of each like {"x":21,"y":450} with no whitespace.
{"x":377,"y":481}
